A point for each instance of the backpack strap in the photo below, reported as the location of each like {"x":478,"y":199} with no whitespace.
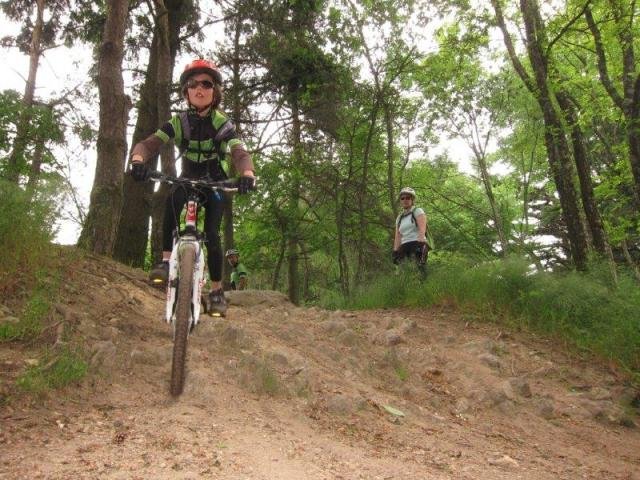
{"x":225,"y":132}
{"x":402,"y":215}
{"x":186,"y":132}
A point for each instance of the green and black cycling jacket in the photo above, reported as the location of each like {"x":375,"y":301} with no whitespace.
{"x":201,"y":157}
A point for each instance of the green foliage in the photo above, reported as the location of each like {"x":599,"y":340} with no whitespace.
{"x":457,"y":209}
{"x":36,"y":308}
{"x":26,"y":229}
{"x":55,"y":370}
{"x":30,"y":323}
{"x":44,"y":129}
{"x":10,"y":108}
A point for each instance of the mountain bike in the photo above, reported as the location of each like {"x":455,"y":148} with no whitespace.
{"x":186,"y":269}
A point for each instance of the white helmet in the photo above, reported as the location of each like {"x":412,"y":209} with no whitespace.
{"x":409,"y":191}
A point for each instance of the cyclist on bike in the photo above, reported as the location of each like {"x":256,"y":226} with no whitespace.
{"x":411,"y":228}
{"x":239,"y":274}
{"x":204,"y":136}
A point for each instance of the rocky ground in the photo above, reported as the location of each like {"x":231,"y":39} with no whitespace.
{"x":274,"y":391}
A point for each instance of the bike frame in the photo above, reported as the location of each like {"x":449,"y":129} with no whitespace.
{"x":189,"y":238}
{"x":180,"y":242}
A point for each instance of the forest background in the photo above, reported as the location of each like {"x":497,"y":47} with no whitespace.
{"x":342,"y":103}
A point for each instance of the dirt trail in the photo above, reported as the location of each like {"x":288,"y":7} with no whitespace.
{"x":279,"y":392}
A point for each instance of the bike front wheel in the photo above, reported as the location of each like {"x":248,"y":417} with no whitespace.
{"x":186,"y":264}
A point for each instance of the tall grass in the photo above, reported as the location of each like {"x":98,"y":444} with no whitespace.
{"x":36,"y":308}
{"x":585,"y":309}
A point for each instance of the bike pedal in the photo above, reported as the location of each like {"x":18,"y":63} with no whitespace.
{"x":158,"y":285}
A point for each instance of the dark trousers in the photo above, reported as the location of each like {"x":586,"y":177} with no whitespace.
{"x":419,"y":251}
{"x":213,"y":208}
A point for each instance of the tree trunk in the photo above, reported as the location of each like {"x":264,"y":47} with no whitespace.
{"x":488,"y":189}
{"x":99,"y":231}
{"x":527,"y":168}
{"x":294,"y":196}
{"x":628,"y":102}
{"x":166,"y":57}
{"x":343,"y":264}
{"x":275,"y":281}
{"x":306,"y":277}
{"x":16,"y":163}
{"x":36,"y":164}
{"x":133,"y":229}
{"x":391,"y":187}
{"x":236,"y":114}
{"x":342,"y":197}
{"x":363,"y":194}
{"x":583,"y":166}
{"x":560,"y":161}
{"x":556,"y":142}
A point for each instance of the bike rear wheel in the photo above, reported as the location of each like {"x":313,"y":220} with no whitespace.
{"x":186,"y":264}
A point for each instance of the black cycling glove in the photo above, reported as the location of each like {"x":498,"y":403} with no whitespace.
{"x":139,"y":171}
{"x":246,"y":184}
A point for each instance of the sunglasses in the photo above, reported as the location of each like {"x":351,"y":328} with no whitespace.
{"x":205,"y":84}
{"x":406,"y":197}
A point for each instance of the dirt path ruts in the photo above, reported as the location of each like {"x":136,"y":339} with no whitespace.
{"x":279,"y":392}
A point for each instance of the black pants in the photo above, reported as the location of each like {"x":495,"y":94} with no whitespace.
{"x":214,"y":208}
{"x":416,"y":250}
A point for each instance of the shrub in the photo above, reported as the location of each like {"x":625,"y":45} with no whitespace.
{"x":26,"y":230}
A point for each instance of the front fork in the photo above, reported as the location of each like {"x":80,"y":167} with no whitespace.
{"x":198,"y":281}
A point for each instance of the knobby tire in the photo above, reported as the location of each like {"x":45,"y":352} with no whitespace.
{"x":186,"y":264}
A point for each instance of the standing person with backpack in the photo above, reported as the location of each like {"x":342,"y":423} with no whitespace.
{"x":203,"y":135}
{"x":411,"y":231}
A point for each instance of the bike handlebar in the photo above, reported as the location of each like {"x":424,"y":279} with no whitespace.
{"x":229,"y":185}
